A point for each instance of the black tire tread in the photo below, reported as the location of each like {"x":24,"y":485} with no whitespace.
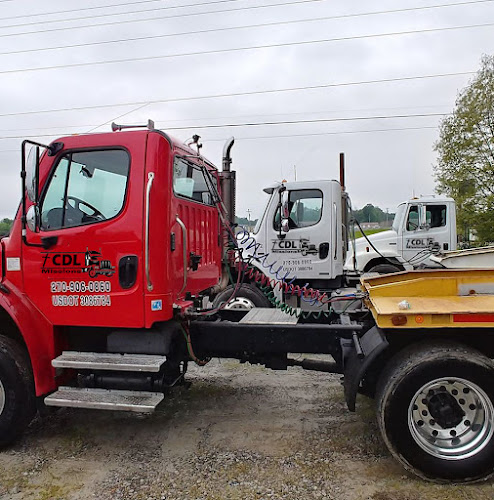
{"x":403,"y":364}
{"x":384,"y":269}
{"x":18,"y":355}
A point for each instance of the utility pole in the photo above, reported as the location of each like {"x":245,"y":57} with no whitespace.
{"x":248,"y":216}
{"x":295,"y":172}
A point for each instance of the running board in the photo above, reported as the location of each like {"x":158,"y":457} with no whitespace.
{"x":109,"y":361}
{"x":104,"y":399}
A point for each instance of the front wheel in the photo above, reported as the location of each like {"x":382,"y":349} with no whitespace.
{"x":436,"y":411}
{"x":17,"y":402}
{"x":246,"y":298}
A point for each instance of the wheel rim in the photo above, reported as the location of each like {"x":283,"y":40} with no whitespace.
{"x":451,"y":419}
{"x":240,"y":303}
{"x":2,"y":397}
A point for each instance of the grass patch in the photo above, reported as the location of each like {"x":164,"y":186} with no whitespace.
{"x":368,"y":232}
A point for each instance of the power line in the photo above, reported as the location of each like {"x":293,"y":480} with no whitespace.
{"x":242,"y":94}
{"x":317,"y":134}
{"x":188,"y":120}
{"x":222,"y":11}
{"x":314,"y":134}
{"x":154,"y":18}
{"x":240,"y":49}
{"x":104,"y":7}
{"x":119,"y":13}
{"x":314,"y":120}
{"x":283,"y":122}
{"x":249,"y":26}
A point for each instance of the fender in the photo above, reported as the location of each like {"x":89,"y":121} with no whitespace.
{"x":373,"y":343}
{"x":38,"y":335}
{"x":365,"y":258}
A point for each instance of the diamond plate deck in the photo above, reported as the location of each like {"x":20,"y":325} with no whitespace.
{"x":109,"y":361}
{"x":104,"y":399}
{"x":263,"y":316}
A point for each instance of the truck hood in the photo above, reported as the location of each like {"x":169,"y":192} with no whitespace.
{"x":383,"y":238}
{"x":385,"y":241}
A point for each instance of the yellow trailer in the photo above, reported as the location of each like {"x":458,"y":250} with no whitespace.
{"x":433,"y":375}
{"x":432,"y":299}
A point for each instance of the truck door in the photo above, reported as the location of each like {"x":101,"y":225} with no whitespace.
{"x":91,"y":272}
{"x":420,"y":240}
{"x":310,"y":250}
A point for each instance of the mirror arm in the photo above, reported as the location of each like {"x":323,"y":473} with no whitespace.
{"x":279,"y":207}
{"x":23,"y":183}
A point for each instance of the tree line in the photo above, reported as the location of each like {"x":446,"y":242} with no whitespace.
{"x":465,"y":165}
{"x":5,"y":226}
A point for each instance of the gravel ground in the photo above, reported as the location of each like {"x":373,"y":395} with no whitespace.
{"x":240,"y":432}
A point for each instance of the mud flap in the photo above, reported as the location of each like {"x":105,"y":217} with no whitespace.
{"x":372,"y":344}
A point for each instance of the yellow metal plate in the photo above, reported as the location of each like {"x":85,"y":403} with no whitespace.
{"x":432,"y":299}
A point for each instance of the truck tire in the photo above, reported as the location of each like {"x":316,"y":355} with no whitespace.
{"x":435,"y":410}
{"x":384,"y":269}
{"x":246,"y":298}
{"x":17,"y":399}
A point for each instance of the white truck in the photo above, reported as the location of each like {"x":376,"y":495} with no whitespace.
{"x":422,"y":227}
{"x":303,"y":238}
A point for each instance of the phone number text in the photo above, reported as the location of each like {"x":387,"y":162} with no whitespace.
{"x":80,"y":286}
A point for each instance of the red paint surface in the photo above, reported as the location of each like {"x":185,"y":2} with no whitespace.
{"x":29,"y":302}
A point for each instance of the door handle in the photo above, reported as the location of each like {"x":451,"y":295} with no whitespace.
{"x":323,"y":250}
{"x":146,"y":257}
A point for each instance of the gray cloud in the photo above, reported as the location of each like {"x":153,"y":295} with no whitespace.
{"x":383,"y":167}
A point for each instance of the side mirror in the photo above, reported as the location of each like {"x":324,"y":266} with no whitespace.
{"x":32,"y":170}
{"x":423,"y":217}
{"x":285,"y":212}
{"x":32,"y":218}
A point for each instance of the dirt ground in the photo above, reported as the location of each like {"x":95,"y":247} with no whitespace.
{"x":240,"y":432}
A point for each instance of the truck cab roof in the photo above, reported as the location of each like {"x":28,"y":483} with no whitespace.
{"x":431,"y":198}
{"x":90,"y":140}
{"x":298,"y":185}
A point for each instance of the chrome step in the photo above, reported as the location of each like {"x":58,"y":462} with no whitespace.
{"x":270,"y":316}
{"x":109,"y":361}
{"x":104,"y":399}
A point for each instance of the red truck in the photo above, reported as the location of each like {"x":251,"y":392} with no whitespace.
{"x":118,"y":243}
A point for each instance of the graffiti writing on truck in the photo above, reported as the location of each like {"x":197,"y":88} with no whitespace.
{"x":251,"y":250}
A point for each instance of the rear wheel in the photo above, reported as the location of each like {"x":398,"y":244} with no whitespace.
{"x":436,"y":411}
{"x":17,"y":402}
{"x":246,"y":298}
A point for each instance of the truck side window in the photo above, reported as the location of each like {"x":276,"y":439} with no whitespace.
{"x":305,"y":209}
{"x":188,"y":181}
{"x":413,"y":218}
{"x":436,"y":215}
{"x":85,"y":188}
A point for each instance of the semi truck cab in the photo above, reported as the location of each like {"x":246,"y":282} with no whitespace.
{"x":310,"y":246}
{"x":422,"y":227}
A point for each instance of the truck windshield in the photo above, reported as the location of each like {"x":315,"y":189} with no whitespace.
{"x":400,"y":212}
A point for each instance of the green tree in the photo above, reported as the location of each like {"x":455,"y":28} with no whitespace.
{"x":465,"y":166}
{"x":370,"y":213}
{"x":5,"y":226}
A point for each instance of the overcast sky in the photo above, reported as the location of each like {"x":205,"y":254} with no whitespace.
{"x":366,"y":61}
